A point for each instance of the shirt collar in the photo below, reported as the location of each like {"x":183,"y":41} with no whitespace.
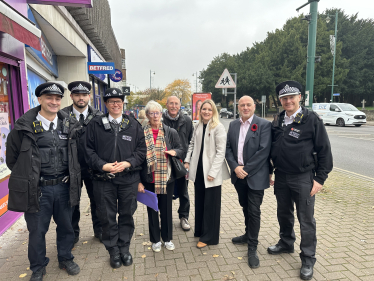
{"x":293,"y":115}
{"x":46,"y":122}
{"x":119,"y":119}
{"x":77,"y":113}
{"x":248,"y":121}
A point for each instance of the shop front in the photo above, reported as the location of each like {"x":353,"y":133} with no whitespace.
{"x":98,"y":82}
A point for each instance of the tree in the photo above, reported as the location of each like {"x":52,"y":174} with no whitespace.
{"x":180,"y":88}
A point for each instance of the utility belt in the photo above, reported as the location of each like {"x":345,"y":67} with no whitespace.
{"x":110,"y":176}
{"x":55,"y":181}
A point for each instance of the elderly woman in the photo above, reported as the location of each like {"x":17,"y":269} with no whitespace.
{"x":162,"y":142}
{"x":207,"y":169}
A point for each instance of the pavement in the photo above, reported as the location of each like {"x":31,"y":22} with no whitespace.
{"x":345,"y":250}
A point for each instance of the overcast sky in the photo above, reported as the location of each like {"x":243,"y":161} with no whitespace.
{"x":176,"y":38}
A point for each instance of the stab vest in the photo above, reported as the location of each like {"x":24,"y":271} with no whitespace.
{"x":53,"y":148}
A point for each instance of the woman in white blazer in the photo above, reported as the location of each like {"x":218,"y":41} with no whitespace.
{"x":207,"y":167}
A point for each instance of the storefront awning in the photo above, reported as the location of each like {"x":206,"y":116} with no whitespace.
{"x":18,"y":26}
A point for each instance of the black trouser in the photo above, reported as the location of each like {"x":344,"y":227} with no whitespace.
{"x":77,"y":214}
{"x":184,"y":199}
{"x":112,"y":199}
{"x":251,"y":201}
{"x":207,"y":211}
{"x":165,"y":202}
{"x":290,"y":189}
{"x":54,"y":201}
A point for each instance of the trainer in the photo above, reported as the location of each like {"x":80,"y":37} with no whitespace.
{"x":115,"y":147}
{"x":301,"y":155}
{"x":40,"y":157}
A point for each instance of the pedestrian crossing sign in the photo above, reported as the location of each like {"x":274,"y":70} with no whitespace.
{"x":225,"y":81}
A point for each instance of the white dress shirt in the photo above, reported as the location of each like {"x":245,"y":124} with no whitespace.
{"x":289,"y":120}
{"x":77,"y":113}
{"x":119,"y":119}
{"x":244,"y":127}
{"x":46,"y":122}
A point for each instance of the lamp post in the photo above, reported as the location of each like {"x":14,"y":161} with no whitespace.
{"x":150,"y":78}
{"x":312,"y":38}
{"x":333,"y":51}
{"x":193,"y":74}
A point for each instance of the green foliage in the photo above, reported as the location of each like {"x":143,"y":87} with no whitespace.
{"x":283,"y":56}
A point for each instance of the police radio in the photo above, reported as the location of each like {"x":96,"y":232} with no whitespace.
{"x":106,"y":123}
{"x":65,"y":127}
{"x":88,"y":119}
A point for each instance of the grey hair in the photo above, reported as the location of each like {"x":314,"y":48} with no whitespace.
{"x":153,"y":105}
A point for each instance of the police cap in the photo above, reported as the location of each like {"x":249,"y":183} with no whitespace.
{"x":79,"y":87}
{"x":49,"y":88}
{"x":288,"y":88}
{"x":113,"y":93}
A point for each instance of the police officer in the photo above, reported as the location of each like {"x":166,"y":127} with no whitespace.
{"x":38,"y":153}
{"x":174,"y":118}
{"x":115,"y":148}
{"x":80,"y":116}
{"x":301,"y":155}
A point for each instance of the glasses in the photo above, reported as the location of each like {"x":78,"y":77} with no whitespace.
{"x":154,"y":114}
{"x":111,"y":102}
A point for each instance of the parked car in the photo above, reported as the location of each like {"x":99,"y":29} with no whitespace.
{"x":226,"y":114}
{"x":339,"y":114}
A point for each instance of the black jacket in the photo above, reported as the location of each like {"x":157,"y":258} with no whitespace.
{"x":184,"y":128}
{"x":75,"y":125}
{"x":23,"y":159}
{"x":293,"y":145}
{"x":172,"y":143}
{"x":107,"y":146}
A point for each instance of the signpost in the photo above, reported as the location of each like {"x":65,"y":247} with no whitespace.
{"x":225,"y":82}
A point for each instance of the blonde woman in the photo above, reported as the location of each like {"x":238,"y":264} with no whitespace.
{"x":142,"y":118}
{"x":207,"y":169}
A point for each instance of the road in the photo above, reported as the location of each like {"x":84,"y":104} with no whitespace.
{"x":352,"y":147}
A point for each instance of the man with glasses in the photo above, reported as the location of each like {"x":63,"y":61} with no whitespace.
{"x":115,"y":149}
{"x":174,"y":118}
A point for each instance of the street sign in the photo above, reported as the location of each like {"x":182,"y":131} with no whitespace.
{"x":101,"y":68}
{"x":225,"y":81}
{"x":126,"y":91}
{"x":182,"y":107}
{"x":263,"y":99}
{"x":336,"y":95}
{"x":117,"y":76}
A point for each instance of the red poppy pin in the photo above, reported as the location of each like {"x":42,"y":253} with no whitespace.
{"x":254,"y":128}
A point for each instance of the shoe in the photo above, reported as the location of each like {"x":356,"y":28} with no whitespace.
{"x":76,"y":239}
{"x":240,"y":239}
{"x":38,"y":275}
{"x":99,"y":236}
{"x":306,"y":272}
{"x":71,"y":267}
{"x":156,"y":247}
{"x":201,"y":245}
{"x":169,"y":245}
{"x":278,"y":249}
{"x":115,"y":261}
{"x":253,"y":260}
{"x":126,"y":259}
{"x":185,"y":224}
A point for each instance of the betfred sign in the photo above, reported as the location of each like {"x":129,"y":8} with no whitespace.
{"x":101,"y":68}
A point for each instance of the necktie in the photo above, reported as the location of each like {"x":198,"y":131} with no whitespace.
{"x":51,"y":126}
{"x":114,"y":121}
{"x":81,"y":119}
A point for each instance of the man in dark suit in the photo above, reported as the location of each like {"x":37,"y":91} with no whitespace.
{"x":247,"y":153}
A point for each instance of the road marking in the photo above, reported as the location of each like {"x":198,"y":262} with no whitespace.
{"x":353,"y":174}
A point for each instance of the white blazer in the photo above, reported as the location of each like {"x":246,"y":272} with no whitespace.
{"x":214,"y":163}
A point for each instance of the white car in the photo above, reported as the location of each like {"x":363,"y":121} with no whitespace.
{"x":339,"y":114}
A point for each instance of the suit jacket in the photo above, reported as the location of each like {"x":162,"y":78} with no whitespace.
{"x":256,"y":152}
{"x":214,"y":163}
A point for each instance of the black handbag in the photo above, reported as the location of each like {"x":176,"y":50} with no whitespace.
{"x":177,"y":167}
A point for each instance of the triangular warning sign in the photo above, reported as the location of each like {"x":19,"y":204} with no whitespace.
{"x":225,"y":81}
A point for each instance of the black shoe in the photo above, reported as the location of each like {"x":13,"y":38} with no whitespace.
{"x":306,"y":272}
{"x":126,"y":259}
{"x":71,"y":267}
{"x":115,"y":261}
{"x":253,"y":260}
{"x":38,"y":275}
{"x":99,"y":236}
{"x":278,"y":249}
{"x":76,"y":239}
{"x":240,"y":239}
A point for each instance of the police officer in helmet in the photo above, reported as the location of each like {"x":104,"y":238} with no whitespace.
{"x":115,"y":149}
{"x":42,"y":183}
{"x":301,"y":155}
{"x":81,"y":115}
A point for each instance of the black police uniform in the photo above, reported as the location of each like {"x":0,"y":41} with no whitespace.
{"x":79,"y":124}
{"x":107,"y":142}
{"x":38,"y":185}
{"x":300,"y":153}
